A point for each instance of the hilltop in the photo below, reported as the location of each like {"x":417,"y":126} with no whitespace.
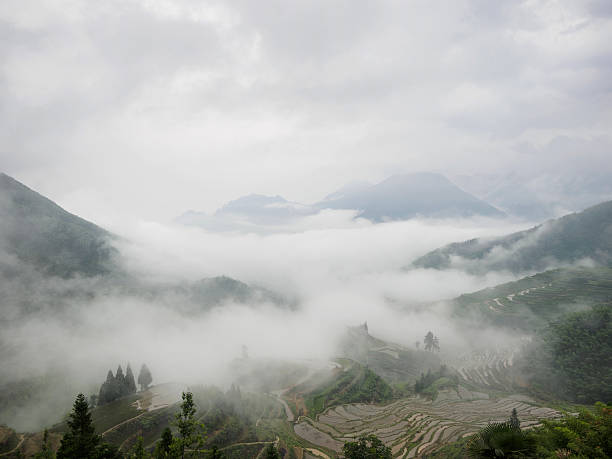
{"x":578,"y":237}
{"x":402,"y":197}
{"x":41,"y":234}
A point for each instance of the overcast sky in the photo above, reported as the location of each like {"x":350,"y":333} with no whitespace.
{"x":150,"y":108}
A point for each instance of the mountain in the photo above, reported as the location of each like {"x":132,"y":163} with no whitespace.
{"x":528,"y":304}
{"x":41,"y":234}
{"x":248,"y":212}
{"x":204,"y":294}
{"x":392,"y":362}
{"x":534,"y":196}
{"x":40,"y":240}
{"x":407,"y":196}
{"x":262,"y":208}
{"x":578,"y":237}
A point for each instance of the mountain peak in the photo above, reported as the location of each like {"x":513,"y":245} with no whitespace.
{"x":403,"y":196}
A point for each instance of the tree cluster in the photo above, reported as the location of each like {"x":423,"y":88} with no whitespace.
{"x":117,"y":385}
{"x":572,"y":357}
{"x":366,"y":447}
{"x":427,"y":379}
{"x":432,"y":343}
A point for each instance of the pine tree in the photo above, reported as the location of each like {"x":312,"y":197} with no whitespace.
{"x":81,"y":440}
{"x":107,"y":389}
{"x":120,"y":382}
{"x":129,"y":380}
{"x":45,"y":452}
{"x":144,"y":378}
{"x":162,"y":450}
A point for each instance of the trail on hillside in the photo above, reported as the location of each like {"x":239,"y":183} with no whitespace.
{"x":21,"y":440}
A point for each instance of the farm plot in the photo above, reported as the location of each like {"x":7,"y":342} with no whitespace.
{"x":415,"y":426}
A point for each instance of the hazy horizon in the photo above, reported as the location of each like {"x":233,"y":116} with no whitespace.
{"x":145,"y":109}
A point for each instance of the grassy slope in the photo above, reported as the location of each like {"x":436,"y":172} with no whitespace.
{"x":352,"y":384}
{"x":551,"y":294}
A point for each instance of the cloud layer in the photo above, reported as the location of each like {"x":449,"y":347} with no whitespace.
{"x":152,"y":107}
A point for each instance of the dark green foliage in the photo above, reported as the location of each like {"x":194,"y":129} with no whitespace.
{"x":514,"y":420}
{"x":162,"y":450}
{"x":144,"y":377}
{"x":81,"y":441}
{"x":215,"y":453}
{"x":271,"y":452}
{"x":366,"y":447}
{"x":190,"y":431}
{"x":231,"y":417}
{"x":572,"y":358}
{"x":116,"y":386}
{"x":430,"y":382}
{"x":586,"y":436}
{"x":353,"y":385}
{"x":45,"y":452}
{"x":589,"y":435}
{"x":130,"y":383}
{"x":139,"y":451}
{"x":549,"y":296}
{"x":501,"y":439}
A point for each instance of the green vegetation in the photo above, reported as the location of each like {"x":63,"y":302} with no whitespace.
{"x":572,"y":358}
{"x":366,"y":447}
{"x":588,"y":435}
{"x":569,"y":239}
{"x":501,"y":439}
{"x":190,"y":431}
{"x":271,"y":452}
{"x":81,"y":440}
{"x":117,"y":386}
{"x":144,"y":377}
{"x":351,"y":385}
{"x":432,"y":343}
{"x":429,"y":384}
{"x":232,"y":417}
{"x":532,"y":302}
{"x":57,"y":243}
{"x":585,"y":436}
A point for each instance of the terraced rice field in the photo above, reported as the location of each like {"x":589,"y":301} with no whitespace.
{"x":415,"y":426}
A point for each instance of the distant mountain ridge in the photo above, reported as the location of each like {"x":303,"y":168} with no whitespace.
{"x":40,"y":240}
{"x":399,"y":197}
{"x":577,"y":237}
{"x":402,"y":197}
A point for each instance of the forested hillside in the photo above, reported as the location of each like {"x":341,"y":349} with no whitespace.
{"x":582,"y":236}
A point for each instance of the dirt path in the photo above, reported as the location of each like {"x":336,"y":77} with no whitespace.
{"x":122,"y":423}
{"x":16,"y":447}
{"x":288,"y":412}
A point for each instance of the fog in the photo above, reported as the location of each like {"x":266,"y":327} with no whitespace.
{"x":334,"y":273}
